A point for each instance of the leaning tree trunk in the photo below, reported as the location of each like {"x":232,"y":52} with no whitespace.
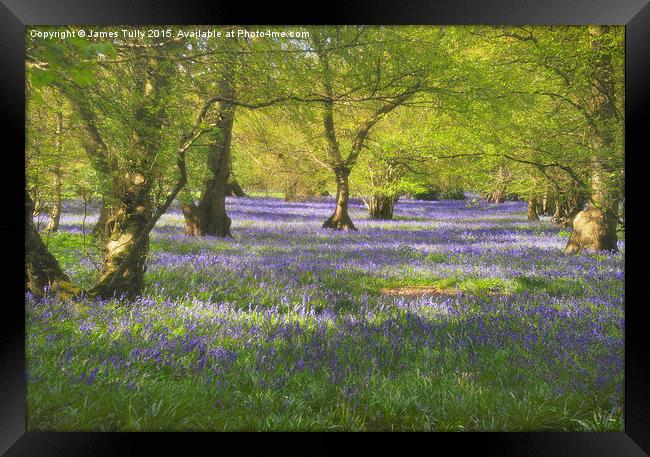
{"x":234,"y":189}
{"x":42,"y":271}
{"x":340,"y":220}
{"x":381,"y":206}
{"x":532,"y":208}
{"x":594,"y":228}
{"x":209,"y":217}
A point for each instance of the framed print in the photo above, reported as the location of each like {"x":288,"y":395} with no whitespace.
{"x":386,"y":218}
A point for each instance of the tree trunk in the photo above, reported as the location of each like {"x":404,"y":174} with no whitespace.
{"x":567,"y":208}
{"x":210,"y":215}
{"x":291,"y":190}
{"x":192,"y":219}
{"x":594,"y":228}
{"x":99,"y":229}
{"x":126,"y":222}
{"x":340,"y":220}
{"x":495,"y":196}
{"x":213,"y":219}
{"x":381,"y":206}
{"x":130,"y":217}
{"x":532,"y":208}
{"x":42,"y":271}
{"x":234,"y":189}
{"x":55,"y":214}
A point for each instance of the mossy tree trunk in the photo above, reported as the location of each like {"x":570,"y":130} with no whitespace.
{"x":124,"y":236}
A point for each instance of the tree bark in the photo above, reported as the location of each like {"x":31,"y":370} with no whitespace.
{"x":191,"y":217}
{"x":381,"y":206}
{"x":55,"y":214}
{"x":340,"y":220}
{"x":532,"y":208}
{"x":42,"y":271}
{"x":213,"y":218}
{"x":594,"y":228}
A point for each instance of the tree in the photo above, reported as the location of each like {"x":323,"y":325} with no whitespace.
{"x":209,"y":217}
{"x":123,"y":131}
{"x":594,"y":228}
{"x":368,"y":68}
{"x":585,"y":83}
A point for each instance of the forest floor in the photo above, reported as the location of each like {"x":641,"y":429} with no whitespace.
{"x":456,"y":315}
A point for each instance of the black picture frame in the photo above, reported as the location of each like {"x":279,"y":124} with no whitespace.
{"x":634,"y":14}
